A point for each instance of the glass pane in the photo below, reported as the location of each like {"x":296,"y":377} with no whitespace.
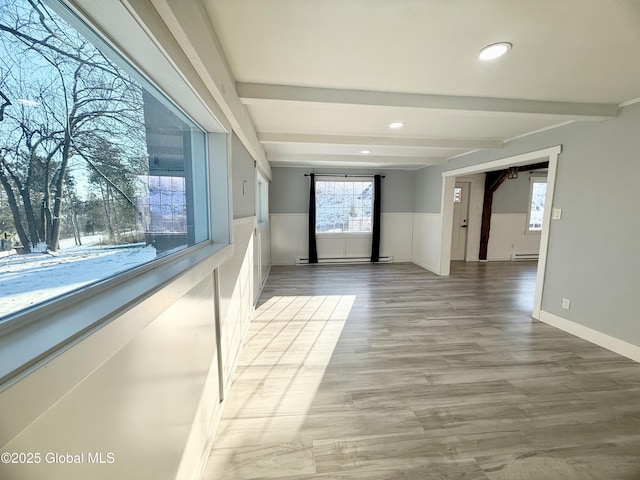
{"x":344,"y":206}
{"x":457,"y":195}
{"x":536,"y":212}
{"x":100,"y":173}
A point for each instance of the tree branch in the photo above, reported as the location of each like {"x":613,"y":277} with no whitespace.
{"x":5,"y":103}
{"x":108,"y":180}
{"x":28,"y":39}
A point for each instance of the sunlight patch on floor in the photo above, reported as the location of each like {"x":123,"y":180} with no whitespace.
{"x":290,"y":344}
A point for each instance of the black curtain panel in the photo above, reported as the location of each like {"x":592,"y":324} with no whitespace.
{"x":313,"y":251}
{"x":377,"y":199}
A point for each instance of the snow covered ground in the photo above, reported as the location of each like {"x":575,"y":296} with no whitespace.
{"x":29,"y":279}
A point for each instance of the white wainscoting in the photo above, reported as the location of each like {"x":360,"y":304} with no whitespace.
{"x":261,"y":258}
{"x":289,"y":237}
{"x":339,"y":245}
{"x":157,"y":392}
{"x":265,"y":252}
{"x":396,"y":236}
{"x":508,"y":236}
{"x":427,"y":240}
{"x":236,"y":296}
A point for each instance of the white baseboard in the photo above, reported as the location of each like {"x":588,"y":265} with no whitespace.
{"x":589,"y":334}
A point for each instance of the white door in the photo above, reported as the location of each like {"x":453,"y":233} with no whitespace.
{"x":460,"y":221}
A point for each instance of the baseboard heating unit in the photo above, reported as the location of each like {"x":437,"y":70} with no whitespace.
{"x":515,"y":257}
{"x":342,"y":260}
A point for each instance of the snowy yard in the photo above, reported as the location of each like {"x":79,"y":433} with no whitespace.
{"x":29,"y":279}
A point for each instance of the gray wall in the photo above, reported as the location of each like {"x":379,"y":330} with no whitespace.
{"x":242,"y":175}
{"x":594,"y":250}
{"x":428,"y":189}
{"x":289,"y":189}
{"x":513,"y":195}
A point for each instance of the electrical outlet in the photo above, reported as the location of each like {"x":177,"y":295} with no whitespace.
{"x":566,"y":303}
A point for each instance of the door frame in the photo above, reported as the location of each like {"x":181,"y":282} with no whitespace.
{"x":551,"y":155}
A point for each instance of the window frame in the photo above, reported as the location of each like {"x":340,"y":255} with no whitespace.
{"x":194,"y":218}
{"x":533,"y":180}
{"x":32,"y":337}
{"x":344,"y":179}
{"x":262,"y":199}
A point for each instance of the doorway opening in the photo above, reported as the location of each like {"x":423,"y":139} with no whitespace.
{"x":448,"y":189}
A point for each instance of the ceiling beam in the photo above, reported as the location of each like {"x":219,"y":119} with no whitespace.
{"x":252,"y":93}
{"x":379,"y":141}
{"x":353,"y":159}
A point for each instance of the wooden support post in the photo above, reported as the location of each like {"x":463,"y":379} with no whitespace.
{"x":491,"y":183}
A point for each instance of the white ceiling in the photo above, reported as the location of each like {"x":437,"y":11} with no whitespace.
{"x":322,"y":79}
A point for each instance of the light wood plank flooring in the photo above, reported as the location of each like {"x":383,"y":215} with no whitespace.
{"x":390,"y":372}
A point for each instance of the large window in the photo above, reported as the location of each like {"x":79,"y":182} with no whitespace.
{"x":99,"y":172}
{"x":537,"y":196}
{"x":344,"y":206}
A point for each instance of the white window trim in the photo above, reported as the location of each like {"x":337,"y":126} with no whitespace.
{"x":533,"y":179}
{"x":262,"y":217}
{"x":345,"y":178}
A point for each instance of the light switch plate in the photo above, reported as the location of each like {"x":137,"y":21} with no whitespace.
{"x":556,"y":213}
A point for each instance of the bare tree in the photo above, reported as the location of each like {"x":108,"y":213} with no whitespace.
{"x":73,"y":99}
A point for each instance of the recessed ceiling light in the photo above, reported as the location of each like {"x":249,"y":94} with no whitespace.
{"x":495,"y":50}
{"x":365,"y":152}
{"x":29,"y":103}
{"x":396,"y":125}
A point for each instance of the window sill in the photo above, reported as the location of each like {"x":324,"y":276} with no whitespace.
{"x":31,"y":338}
{"x":343,"y":234}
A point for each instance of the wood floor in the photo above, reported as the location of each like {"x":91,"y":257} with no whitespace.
{"x":390,"y":372}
